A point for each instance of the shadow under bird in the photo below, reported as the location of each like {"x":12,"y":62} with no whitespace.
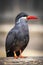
{"x":18,"y":37}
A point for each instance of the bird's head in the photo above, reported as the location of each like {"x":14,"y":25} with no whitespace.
{"x":24,"y":16}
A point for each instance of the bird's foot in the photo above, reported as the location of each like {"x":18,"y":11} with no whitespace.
{"x":21,"y":56}
{"x":16,"y":57}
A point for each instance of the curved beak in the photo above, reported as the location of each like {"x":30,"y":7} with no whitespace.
{"x":31,"y":17}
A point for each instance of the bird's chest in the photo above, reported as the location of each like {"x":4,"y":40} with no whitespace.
{"x":22,"y":32}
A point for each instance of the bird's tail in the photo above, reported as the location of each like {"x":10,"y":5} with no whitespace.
{"x":10,"y":54}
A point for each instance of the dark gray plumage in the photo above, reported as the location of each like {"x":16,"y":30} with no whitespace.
{"x":18,"y":36}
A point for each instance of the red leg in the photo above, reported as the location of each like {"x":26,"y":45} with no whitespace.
{"x":15,"y":56}
{"x":21,"y":55}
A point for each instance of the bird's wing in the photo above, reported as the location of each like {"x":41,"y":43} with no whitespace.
{"x":10,"y":40}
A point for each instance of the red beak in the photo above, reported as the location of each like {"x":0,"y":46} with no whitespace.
{"x":31,"y":17}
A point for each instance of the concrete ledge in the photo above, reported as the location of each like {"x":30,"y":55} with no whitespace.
{"x":22,"y":61}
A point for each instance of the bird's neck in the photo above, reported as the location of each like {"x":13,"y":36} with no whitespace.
{"x":21,"y":20}
{"x":18,"y":21}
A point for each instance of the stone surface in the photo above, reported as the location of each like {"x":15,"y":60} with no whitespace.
{"x":22,"y":61}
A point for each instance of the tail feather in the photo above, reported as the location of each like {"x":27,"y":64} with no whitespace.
{"x":10,"y":54}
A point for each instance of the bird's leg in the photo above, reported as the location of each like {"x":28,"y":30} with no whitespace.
{"x":21,"y":55}
{"x":20,"y":51}
{"x":15,"y":56}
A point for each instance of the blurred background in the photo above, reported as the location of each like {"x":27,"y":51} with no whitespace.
{"x":9,"y":10}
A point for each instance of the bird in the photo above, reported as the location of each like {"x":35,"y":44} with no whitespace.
{"x":18,"y":37}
